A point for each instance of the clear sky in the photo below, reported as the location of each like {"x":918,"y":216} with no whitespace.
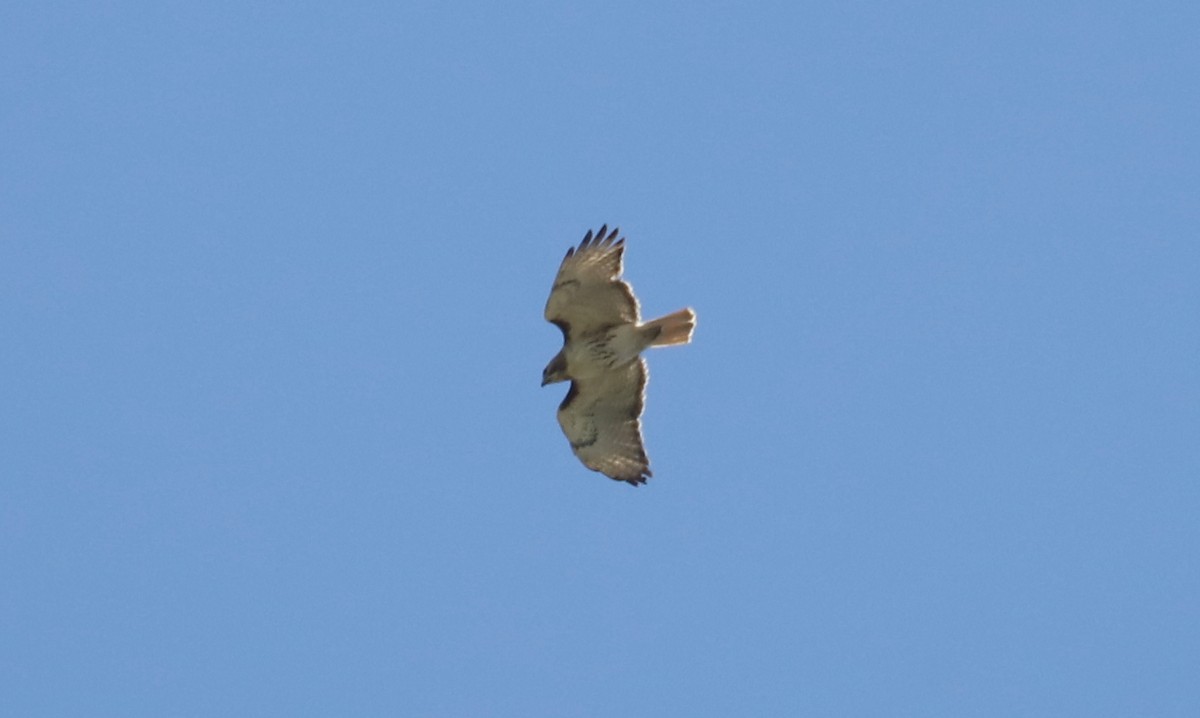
{"x":271,"y":290}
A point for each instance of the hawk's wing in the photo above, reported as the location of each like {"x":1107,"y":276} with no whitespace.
{"x":601,"y":417}
{"x":588,"y":292}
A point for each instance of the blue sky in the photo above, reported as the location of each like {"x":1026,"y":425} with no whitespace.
{"x":271,"y":285}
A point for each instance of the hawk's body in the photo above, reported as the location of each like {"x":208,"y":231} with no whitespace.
{"x":603,"y":339}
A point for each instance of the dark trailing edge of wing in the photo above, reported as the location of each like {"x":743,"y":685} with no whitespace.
{"x":644,"y":376}
{"x":640,"y":406}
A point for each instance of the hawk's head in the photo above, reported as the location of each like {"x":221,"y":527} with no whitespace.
{"x":556,"y":370}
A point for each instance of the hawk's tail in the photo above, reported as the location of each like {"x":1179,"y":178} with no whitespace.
{"x":675,"y":328}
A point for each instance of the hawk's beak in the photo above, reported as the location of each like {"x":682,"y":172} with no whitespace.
{"x":544,"y":381}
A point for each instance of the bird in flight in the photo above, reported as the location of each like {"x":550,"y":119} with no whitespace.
{"x":603,"y":338}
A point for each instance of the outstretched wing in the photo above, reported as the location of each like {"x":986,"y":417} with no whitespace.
{"x":601,"y":417}
{"x":588,"y":292}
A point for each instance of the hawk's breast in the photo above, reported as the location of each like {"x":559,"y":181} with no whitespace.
{"x":597,"y":352}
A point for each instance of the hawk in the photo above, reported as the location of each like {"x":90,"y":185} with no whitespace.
{"x":603,"y":338}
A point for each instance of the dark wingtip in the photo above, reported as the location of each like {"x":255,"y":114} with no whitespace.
{"x":634,"y":480}
{"x":601,"y":238}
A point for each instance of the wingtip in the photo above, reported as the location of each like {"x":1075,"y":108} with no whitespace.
{"x":601,"y":238}
{"x":637,"y":480}
{"x":603,"y":242}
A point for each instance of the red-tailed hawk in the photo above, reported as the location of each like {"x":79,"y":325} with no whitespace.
{"x":603,"y":338}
